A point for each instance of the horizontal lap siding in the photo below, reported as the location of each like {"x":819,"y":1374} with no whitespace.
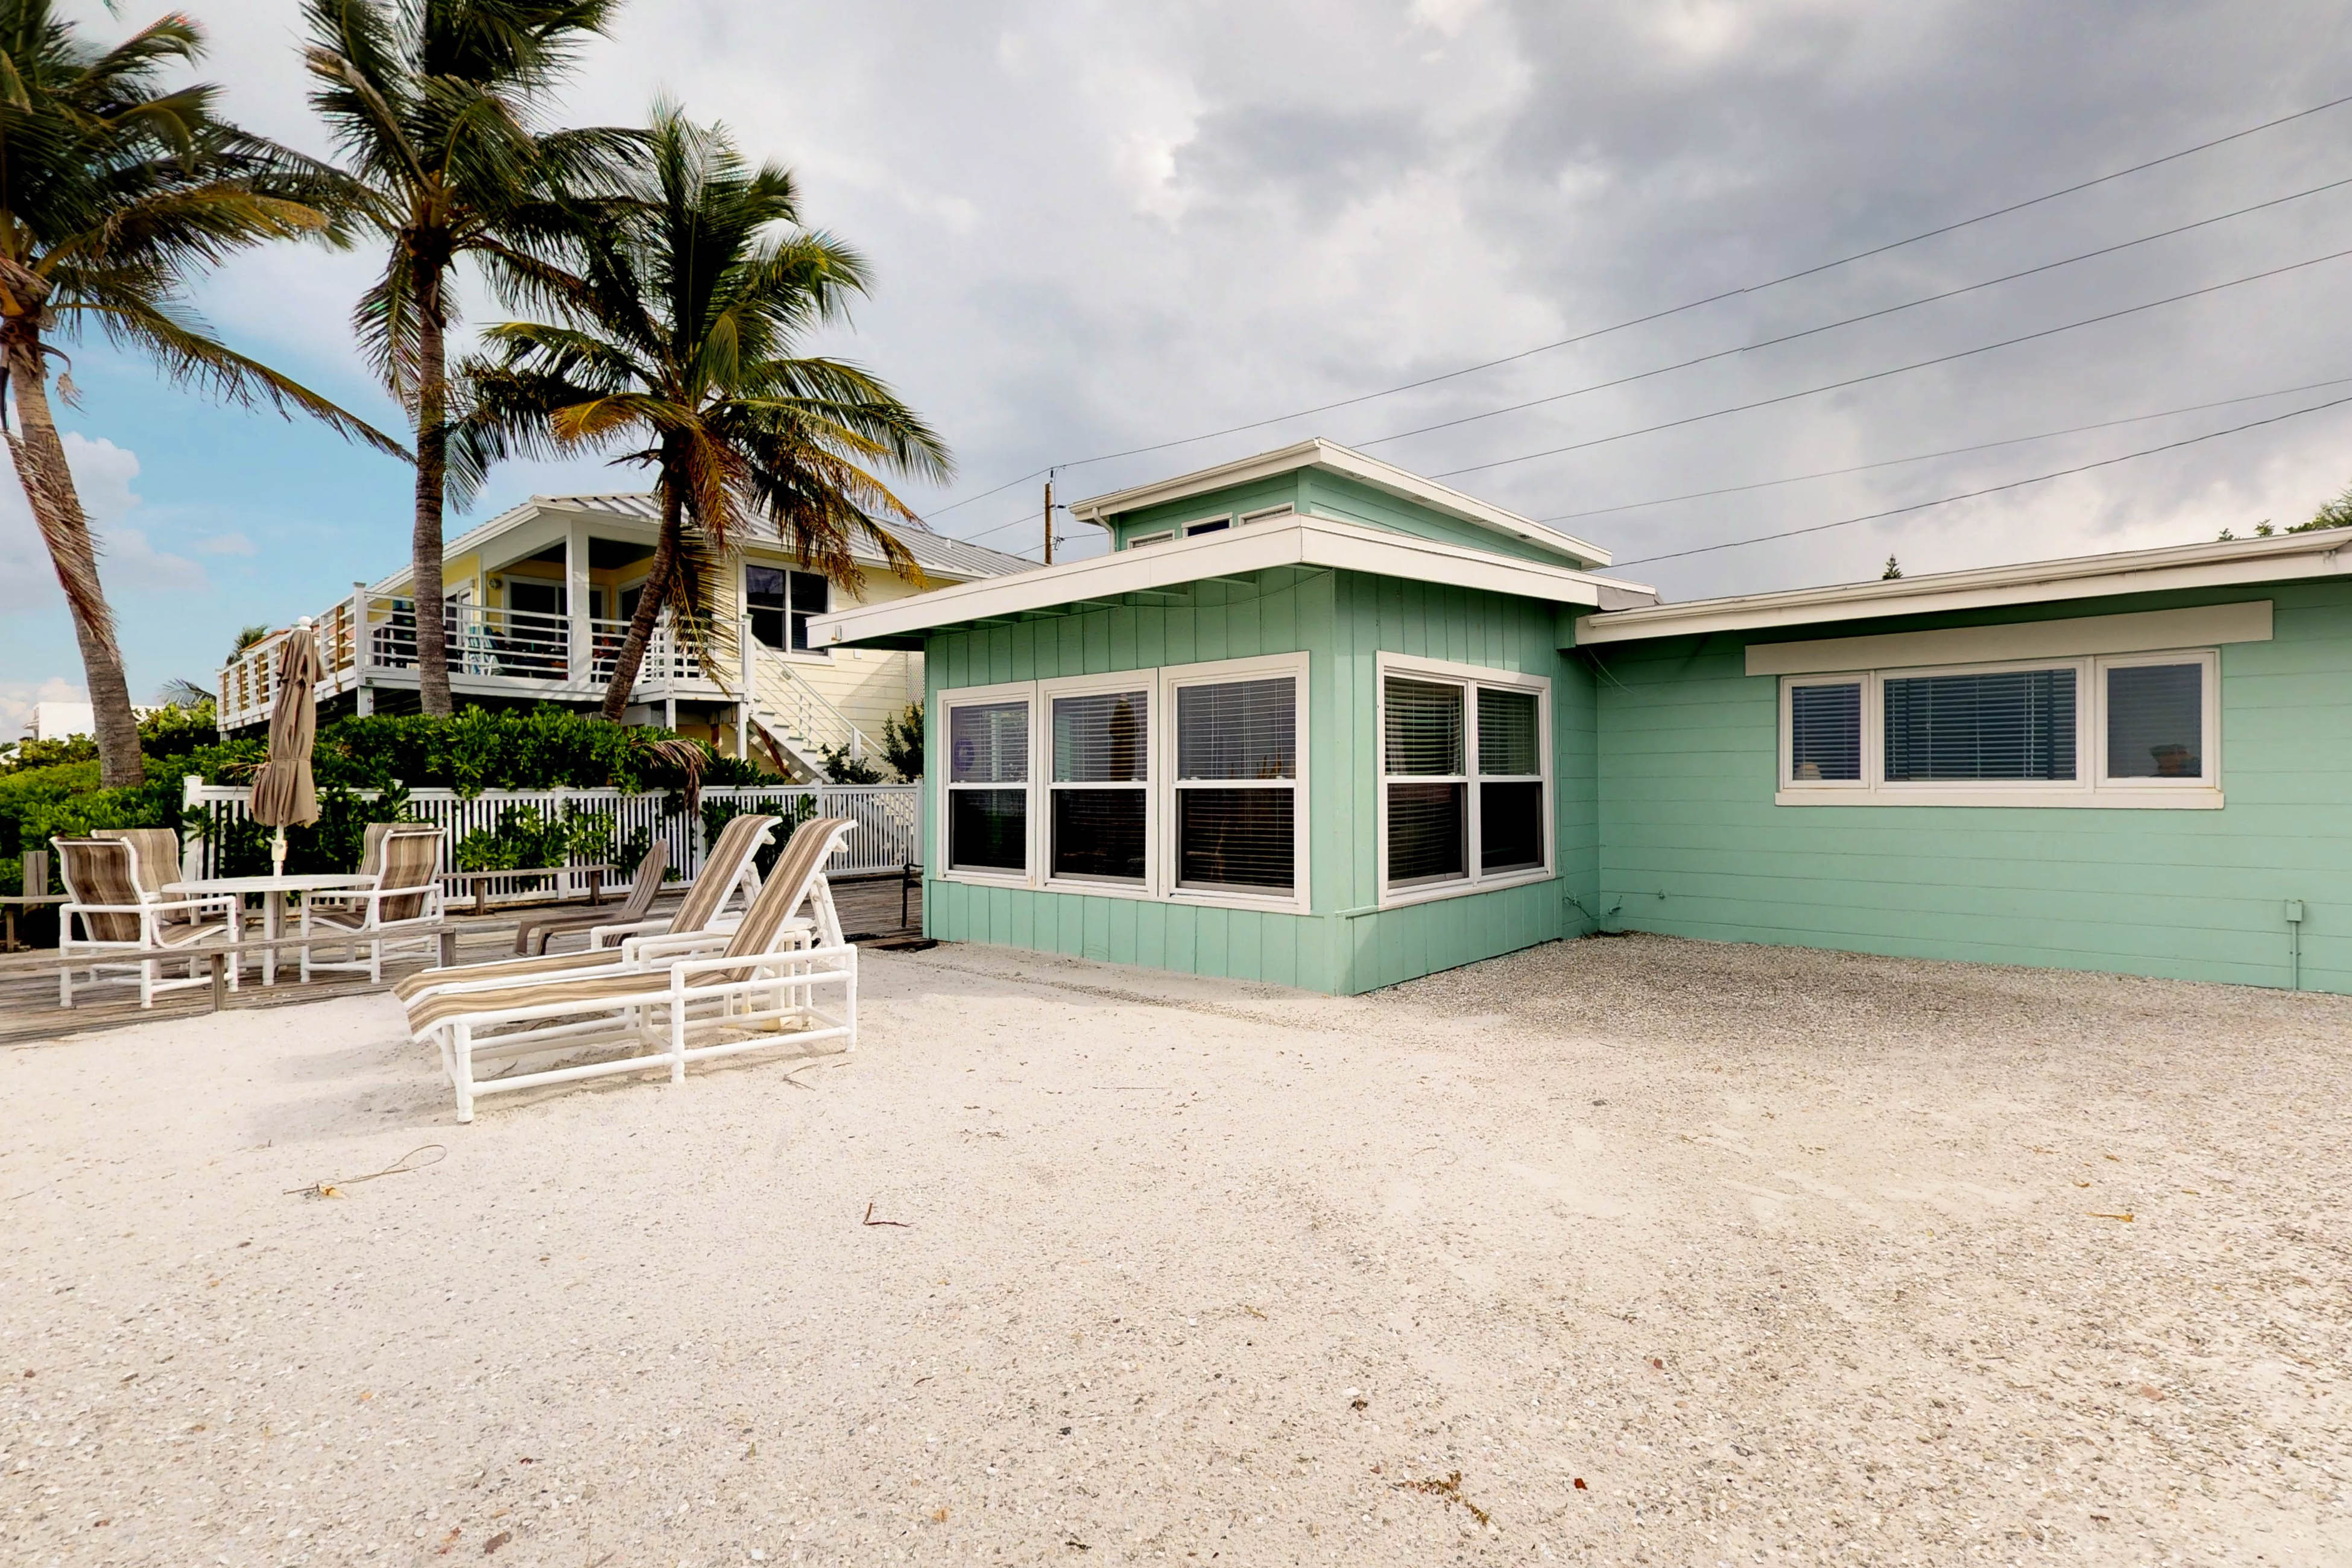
{"x":1692,"y":844}
{"x":1341,"y":620}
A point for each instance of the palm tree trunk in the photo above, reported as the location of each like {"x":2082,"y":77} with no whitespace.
{"x":48,"y":482}
{"x":432,"y":471}
{"x":659,"y":577}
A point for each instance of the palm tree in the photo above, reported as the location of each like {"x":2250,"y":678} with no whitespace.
{"x":114,"y":194}
{"x":430,"y":103}
{"x":674,"y":339}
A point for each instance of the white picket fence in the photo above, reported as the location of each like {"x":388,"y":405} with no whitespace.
{"x":887,"y":837}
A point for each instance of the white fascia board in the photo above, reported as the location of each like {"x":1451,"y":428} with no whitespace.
{"x":2221,"y":566}
{"x":1298,"y":540}
{"x":1318,"y":453}
{"x":2073,"y":636}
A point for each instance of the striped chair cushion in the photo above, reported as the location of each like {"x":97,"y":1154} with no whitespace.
{"x":155,"y":855}
{"x":98,"y":871}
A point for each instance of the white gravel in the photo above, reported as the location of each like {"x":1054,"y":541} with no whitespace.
{"x":1787,"y":1256}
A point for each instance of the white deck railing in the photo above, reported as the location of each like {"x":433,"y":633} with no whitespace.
{"x":370,"y":639}
{"x":887,"y":835}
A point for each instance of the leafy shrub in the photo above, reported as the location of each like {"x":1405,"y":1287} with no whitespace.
{"x":902,"y":742}
{"x":842,"y":768}
{"x":716,"y":814}
{"x":527,"y":837}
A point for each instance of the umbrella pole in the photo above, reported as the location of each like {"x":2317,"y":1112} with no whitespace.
{"x":278,"y":853}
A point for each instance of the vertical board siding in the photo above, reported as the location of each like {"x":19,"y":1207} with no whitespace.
{"x":1691,"y":844}
{"x":1341,"y":620}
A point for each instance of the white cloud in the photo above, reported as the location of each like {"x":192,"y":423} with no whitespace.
{"x":17,"y":698}
{"x":233,"y":542}
{"x":129,"y":563}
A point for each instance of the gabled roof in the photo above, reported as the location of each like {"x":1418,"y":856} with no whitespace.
{"x":2281,"y":557}
{"x":940,"y":556}
{"x":1318,"y":453}
{"x":1297,"y":539}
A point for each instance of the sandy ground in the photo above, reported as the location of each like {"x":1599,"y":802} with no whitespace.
{"x":1675,"y":1253}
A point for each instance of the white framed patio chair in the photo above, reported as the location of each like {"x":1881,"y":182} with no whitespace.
{"x":394,"y":914}
{"x":116,"y":935}
{"x":156,"y":856}
{"x":700,"y":922}
{"x":781,"y":978}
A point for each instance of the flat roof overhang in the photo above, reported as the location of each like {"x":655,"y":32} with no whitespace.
{"x":1311,"y":543}
{"x":2279,"y":558}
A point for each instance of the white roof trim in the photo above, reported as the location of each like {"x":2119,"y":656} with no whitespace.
{"x":1318,"y":453}
{"x":2320,"y":553}
{"x":1297,"y":540}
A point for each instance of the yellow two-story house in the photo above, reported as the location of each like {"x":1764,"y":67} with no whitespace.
{"x":538,"y":600}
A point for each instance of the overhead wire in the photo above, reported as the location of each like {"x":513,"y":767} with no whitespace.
{"x":1986,"y":491}
{"x":1851,"y":321}
{"x":1644,"y":319}
{"x":1944,"y":452}
{"x":1897,"y":370}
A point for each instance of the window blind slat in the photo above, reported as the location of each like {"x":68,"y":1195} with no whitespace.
{"x":988,"y":829}
{"x":988,"y":743}
{"x":1825,"y":733}
{"x":1099,"y":833}
{"x":1426,"y":824}
{"x":1235,"y":837}
{"x":1100,"y":739}
{"x":1507,"y":732}
{"x":1245,"y":730}
{"x":1424,"y":727}
{"x":2005,"y":724}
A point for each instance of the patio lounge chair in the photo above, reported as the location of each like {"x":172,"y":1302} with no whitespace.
{"x":387,"y":917}
{"x":532,"y":936}
{"x":102,"y":877}
{"x":729,"y":865}
{"x":765,"y":982}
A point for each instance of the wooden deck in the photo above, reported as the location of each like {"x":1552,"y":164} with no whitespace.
{"x":28,"y":980}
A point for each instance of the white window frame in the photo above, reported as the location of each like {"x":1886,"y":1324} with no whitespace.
{"x":1041,"y":772}
{"x":1228,"y":672}
{"x":812,"y":654}
{"x":2090,"y":788}
{"x":1161,"y":684}
{"x":1162,"y":537}
{"x":1264,"y":514}
{"x":1217,"y":523}
{"x":982,"y":697}
{"x":1469,"y":677}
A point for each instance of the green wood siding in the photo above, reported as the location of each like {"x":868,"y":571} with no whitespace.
{"x":1341,"y":620}
{"x":1690,"y":843}
{"x":1345,"y":499}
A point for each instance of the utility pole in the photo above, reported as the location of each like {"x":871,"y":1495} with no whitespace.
{"x":1049,"y":517}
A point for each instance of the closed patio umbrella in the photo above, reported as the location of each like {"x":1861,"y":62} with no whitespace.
{"x":282,"y":791}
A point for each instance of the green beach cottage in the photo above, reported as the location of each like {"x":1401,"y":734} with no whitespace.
{"x":1318,"y":720}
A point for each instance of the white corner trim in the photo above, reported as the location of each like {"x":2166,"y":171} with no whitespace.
{"x":2151,"y":631}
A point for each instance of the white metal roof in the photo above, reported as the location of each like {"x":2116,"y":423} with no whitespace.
{"x":1318,"y":453}
{"x":949,"y":559}
{"x":1297,"y":539}
{"x":2280,"y":557}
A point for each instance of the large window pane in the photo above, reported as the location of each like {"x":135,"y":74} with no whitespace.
{"x":1235,"y":837}
{"x":2008,"y":725}
{"x":1248,"y":730}
{"x":988,"y":743}
{"x":2155,"y":721}
{"x":988,"y":829}
{"x":1826,"y":733}
{"x":763,"y":596}
{"x":1510,"y":826}
{"x":1423,"y":724}
{"x":1507,"y":733}
{"x":1099,"y":739}
{"x":1425,"y":832}
{"x":1099,"y":833}
{"x":810,"y":595}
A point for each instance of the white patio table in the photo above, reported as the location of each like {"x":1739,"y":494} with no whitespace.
{"x":273,"y":890}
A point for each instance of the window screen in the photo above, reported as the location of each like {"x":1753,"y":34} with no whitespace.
{"x":1237,"y":767}
{"x":2155,"y":721}
{"x":1826,"y":733}
{"x":810,"y":595}
{"x":1101,"y":746}
{"x":1423,"y":725}
{"x":1421,"y":745}
{"x":763,"y":598}
{"x":1510,"y":791}
{"x":987,"y":824}
{"x":1506,"y":733}
{"x":2005,"y":725}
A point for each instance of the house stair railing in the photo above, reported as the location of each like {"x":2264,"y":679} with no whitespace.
{"x":799,"y":720}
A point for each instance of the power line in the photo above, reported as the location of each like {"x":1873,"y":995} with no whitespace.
{"x":1897,"y":370}
{"x":1987,"y":490}
{"x":1852,"y":321}
{"x":1946,"y":452}
{"x":1676,"y":310}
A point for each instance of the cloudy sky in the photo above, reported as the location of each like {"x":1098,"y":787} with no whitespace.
{"x":1101,"y":227}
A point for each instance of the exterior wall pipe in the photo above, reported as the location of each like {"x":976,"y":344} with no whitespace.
{"x":2294,"y":944}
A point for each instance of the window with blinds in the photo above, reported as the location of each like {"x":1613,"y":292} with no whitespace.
{"x":2155,"y":721}
{"x":1236,"y":785}
{"x":2011,"y":725}
{"x":1826,"y":733}
{"x":1100,"y":789}
{"x":988,"y":786}
{"x":1462,"y":780}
